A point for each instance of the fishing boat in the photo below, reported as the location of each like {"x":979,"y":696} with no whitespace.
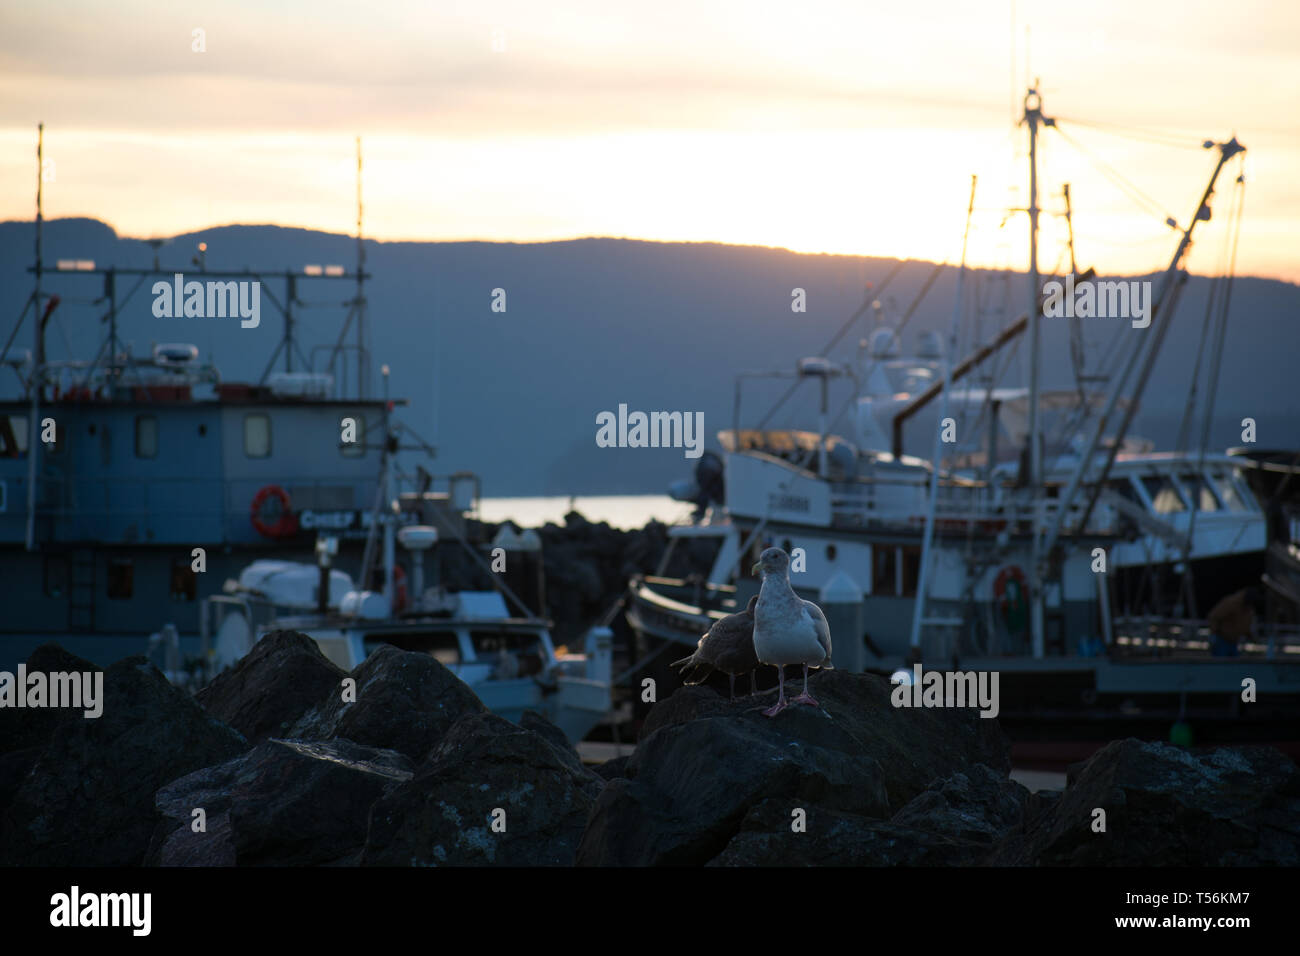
{"x":1075,"y":560}
{"x":509,"y":660}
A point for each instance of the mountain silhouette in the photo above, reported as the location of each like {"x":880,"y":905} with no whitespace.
{"x":594,"y":323}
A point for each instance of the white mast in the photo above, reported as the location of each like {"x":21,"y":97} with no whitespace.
{"x":1033,"y":116}
{"x":927,"y":547}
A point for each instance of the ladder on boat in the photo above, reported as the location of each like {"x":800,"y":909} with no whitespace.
{"x":81,"y":590}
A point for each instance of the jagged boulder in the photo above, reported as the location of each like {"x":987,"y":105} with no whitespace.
{"x":768,"y":837}
{"x":553,"y":735}
{"x":404,"y":701}
{"x":284,"y":803}
{"x":613,"y":768}
{"x":24,"y":731}
{"x":1165,"y":806}
{"x":689,"y":785}
{"x":22,"y":728}
{"x":265,"y":694}
{"x":704,"y":763}
{"x":915,"y":746}
{"x":88,"y":799}
{"x":975,"y":805}
{"x":444,"y":815}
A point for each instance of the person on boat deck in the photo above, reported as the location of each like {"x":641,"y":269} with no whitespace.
{"x":1233,"y":620}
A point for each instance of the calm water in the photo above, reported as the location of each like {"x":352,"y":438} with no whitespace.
{"x":621,"y":511}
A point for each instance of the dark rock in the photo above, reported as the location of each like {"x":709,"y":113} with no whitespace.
{"x":1166,"y":806}
{"x":915,"y":746}
{"x":266,"y":693}
{"x":837,"y":838}
{"x":975,"y":805}
{"x":554,"y":736}
{"x":443,"y":816}
{"x":691,"y":784}
{"x":14,"y":767}
{"x":88,"y":800}
{"x":284,"y":803}
{"x":617,"y":767}
{"x":24,"y":727}
{"x":405,"y":702}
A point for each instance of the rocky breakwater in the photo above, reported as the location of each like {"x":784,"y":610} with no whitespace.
{"x":714,"y":781}
{"x":859,"y":782}
{"x":397,"y":762}
{"x":289,"y":761}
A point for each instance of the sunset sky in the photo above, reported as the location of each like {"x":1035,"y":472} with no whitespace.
{"x":821,"y":126}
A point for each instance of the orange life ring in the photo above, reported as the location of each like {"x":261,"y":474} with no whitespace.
{"x":285,"y":526}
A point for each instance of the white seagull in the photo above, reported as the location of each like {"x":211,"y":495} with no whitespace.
{"x":787,"y":629}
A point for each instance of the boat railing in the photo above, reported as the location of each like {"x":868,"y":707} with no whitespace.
{"x":1152,"y":635}
{"x":963,"y":506}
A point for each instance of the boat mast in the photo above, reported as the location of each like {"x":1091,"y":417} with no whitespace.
{"x":1034,"y":116}
{"x":1147,"y":352}
{"x":361,"y":294}
{"x":38,"y":357}
{"x":927,"y":547}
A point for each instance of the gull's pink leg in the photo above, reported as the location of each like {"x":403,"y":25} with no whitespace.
{"x":781,"y":703}
{"x":805,"y":697}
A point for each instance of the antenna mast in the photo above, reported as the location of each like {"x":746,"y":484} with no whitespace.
{"x":38,"y":357}
{"x":1034,"y":116}
{"x":361,"y":293}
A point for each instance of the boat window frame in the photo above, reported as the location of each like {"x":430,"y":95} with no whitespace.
{"x":119,"y":577}
{"x":1185,"y":480}
{"x":19,"y":436}
{"x":1134,"y":493}
{"x":157,"y":436}
{"x":248,"y":418}
{"x":1246,"y":493}
{"x":370,"y":640}
{"x":1170,"y":482}
{"x":1226,"y":478}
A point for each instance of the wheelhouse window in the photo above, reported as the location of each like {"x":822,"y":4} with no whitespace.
{"x":883,"y":570}
{"x":910,"y":566}
{"x":13,"y":436}
{"x":184,"y":581}
{"x":121,"y":579}
{"x":1164,"y":495}
{"x":442,"y":646}
{"x":1200,"y":492}
{"x":257,"y":436}
{"x":146,"y":436}
{"x":1228,"y":492}
{"x":1244,"y":491}
{"x":515,"y":653}
{"x":1124,"y":488}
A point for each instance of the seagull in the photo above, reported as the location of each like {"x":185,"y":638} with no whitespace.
{"x":728,"y":647}
{"x":787,"y":629}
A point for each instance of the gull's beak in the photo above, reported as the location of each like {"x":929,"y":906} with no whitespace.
{"x":754,"y":570}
